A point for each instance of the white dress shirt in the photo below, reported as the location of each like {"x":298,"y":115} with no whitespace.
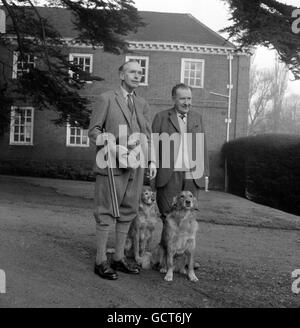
{"x":182,"y":162}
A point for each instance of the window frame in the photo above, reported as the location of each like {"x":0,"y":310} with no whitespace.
{"x":84,"y":55}
{"x":196,"y":60}
{"x":12,"y":126}
{"x":68,"y":137}
{"x":15,"y":64}
{"x":129,"y":57}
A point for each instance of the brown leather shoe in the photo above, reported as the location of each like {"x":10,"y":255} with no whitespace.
{"x":125,"y":267}
{"x":105,"y":271}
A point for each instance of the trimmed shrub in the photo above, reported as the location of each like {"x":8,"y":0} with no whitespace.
{"x":265,"y":169}
{"x":78,"y":170}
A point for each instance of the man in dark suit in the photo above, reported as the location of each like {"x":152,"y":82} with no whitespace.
{"x":120,"y":113}
{"x":185,"y":127}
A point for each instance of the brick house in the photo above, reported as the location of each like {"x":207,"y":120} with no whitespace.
{"x":172,"y":48}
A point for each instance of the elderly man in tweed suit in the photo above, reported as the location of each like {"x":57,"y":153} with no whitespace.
{"x":178,"y":121}
{"x":120,"y":107}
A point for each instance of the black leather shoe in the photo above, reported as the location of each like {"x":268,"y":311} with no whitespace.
{"x":105,"y":271}
{"x":123,"y":266}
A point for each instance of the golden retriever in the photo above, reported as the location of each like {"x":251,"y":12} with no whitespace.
{"x":178,"y":239}
{"x":142,"y":227}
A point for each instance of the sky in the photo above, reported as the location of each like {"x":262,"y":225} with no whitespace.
{"x":214,"y":14}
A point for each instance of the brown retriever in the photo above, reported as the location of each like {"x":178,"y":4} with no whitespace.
{"x":142,"y":227}
{"x":178,"y":239}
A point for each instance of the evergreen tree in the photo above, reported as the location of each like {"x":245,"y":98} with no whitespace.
{"x":48,"y":84}
{"x":267,"y":23}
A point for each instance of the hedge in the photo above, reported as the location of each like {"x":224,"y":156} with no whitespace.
{"x":265,"y":169}
{"x":56,"y":169}
{"x":73,"y":170}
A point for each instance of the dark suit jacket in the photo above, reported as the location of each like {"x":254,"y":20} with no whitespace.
{"x":111,"y":112}
{"x":167,"y":121}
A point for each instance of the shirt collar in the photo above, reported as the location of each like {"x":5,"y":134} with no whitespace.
{"x":179,"y":114}
{"x":126,"y":93}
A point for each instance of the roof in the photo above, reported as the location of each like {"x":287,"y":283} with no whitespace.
{"x":161,"y":27}
{"x":169,"y":27}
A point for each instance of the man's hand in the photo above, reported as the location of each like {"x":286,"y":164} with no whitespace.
{"x":103,"y":137}
{"x":152,"y":171}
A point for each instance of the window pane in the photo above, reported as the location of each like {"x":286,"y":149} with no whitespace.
{"x":198,"y":66}
{"x":78,"y":140}
{"x":28,"y":132}
{"x":72,"y":140}
{"x":72,"y":131}
{"x":192,"y":82}
{"x":198,"y":75}
{"x":84,"y":140}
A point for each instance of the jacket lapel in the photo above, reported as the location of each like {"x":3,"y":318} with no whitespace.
{"x":139,"y":112}
{"x":122,"y":104}
{"x":193,"y":123}
{"x":190,"y":122}
{"x":174,"y":120}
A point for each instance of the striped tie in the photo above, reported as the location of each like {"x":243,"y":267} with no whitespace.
{"x":130,"y":103}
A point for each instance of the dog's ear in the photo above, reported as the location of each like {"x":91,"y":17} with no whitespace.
{"x":174,"y":202}
{"x":196,"y":205}
{"x":153,"y":195}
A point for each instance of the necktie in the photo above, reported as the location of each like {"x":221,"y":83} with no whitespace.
{"x":182,"y":116}
{"x":130,"y":103}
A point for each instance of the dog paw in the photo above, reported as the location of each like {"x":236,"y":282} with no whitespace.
{"x":183,"y":271}
{"x":168,"y":277}
{"x":163,"y":270}
{"x":192,"y":277}
{"x":139,"y":260}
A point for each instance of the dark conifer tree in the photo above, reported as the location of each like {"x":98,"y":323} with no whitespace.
{"x":49,"y":85}
{"x":267,"y":23}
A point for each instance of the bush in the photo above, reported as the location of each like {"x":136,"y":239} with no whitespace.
{"x":265,"y":169}
{"x":77,"y":170}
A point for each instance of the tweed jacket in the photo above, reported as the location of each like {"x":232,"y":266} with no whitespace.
{"x":167,"y":122}
{"x":111,"y":113}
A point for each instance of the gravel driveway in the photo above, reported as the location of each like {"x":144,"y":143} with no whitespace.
{"x":247,"y":253}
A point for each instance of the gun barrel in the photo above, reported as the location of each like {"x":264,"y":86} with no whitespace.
{"x":112,"y":185}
